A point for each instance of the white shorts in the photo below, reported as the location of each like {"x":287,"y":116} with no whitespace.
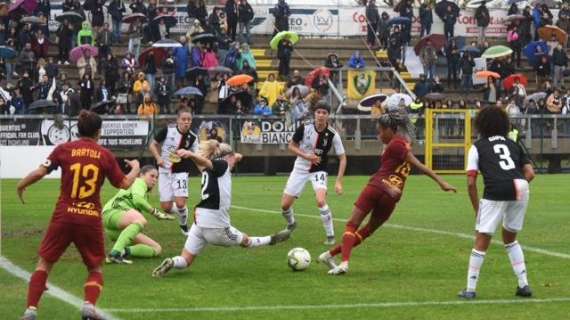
{"x":199,"y":237}
{"x":510,"y":213}
{"x":297,"y":181}
{"x":171,"y":185}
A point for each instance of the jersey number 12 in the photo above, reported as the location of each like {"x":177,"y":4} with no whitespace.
{"x":504,"y":154}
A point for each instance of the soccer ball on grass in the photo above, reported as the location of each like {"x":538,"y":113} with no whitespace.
{"x":298,"y":259}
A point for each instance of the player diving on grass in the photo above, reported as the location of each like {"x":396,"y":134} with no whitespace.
{"x":506,"y":171}
{"x":77,"y":215}
{"x":173,"y":172}
{"x":124,"y":221}
{"x":384,"y":189}
{"x":312,"y":143}
{"x":212,"y":215}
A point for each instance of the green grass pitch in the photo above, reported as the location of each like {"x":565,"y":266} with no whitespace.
{"x":419,"y":272}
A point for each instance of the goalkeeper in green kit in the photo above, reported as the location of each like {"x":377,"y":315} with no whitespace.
{"x":124,"y":221}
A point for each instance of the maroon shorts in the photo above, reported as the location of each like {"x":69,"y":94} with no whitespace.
{"x":376,"y":200}
{"x":87,"y":239}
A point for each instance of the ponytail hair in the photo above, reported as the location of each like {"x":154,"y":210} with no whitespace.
{"x":399,"y":122}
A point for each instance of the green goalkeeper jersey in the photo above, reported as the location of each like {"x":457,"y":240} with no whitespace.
{"x":136,"y":197}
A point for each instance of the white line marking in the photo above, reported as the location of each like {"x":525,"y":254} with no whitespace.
{"x":341,"y":306}
{"x":434,"y":231}
{"x":54,"y":291}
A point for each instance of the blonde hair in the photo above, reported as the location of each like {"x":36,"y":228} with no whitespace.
{"x":212,"y":149}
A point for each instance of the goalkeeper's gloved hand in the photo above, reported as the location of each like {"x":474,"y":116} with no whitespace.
{"x":161,"y":215}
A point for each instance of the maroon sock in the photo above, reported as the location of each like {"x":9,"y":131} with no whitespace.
{"x":93,"y":287}
{"x":36,"y":287}
{"x":336,"y":250}
{"x":349,"y":238}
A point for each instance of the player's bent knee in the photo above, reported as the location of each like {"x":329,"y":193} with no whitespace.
{"x":321,"y":203}
{"x":246,"y":242}
{"x":180,"y":203}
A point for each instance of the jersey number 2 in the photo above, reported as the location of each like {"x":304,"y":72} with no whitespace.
{"x":205,"y":181}
{"x":504,"y":154}
{"x":89,"y":173}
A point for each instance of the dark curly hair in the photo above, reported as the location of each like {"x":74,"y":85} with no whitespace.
{"x":492,"y":121}
{"x":398,"y":121}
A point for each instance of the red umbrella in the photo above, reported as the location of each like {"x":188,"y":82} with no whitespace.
{"x":80,"y":51}
{"x":27,"y":5}
{"x":134,"y":17}
{"x":239,"y":80}
{"x":315,"y":74}
{"x":509,"y":82}
{"x":159,"y":55}
{"x":437,"y":41}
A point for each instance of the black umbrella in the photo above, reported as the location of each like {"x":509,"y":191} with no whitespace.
{"x":169,"y":20}
{"x":102,"y":107}
{"x":195,"y":71}
{"x":204,"y":37}
{"x":40,"y":105}
{"x":441,"y":8}
{"x":242,"y":96}
{"x":71,"y":16}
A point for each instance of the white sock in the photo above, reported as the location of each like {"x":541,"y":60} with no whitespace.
{"x":475,"y":263}
{"x":326,"y":217}
{"x":179,"y":262}
{"x":289,"y":215}
{"x":182,"y":216}
{"x":516,"y":256}
{"x":258,"y":241}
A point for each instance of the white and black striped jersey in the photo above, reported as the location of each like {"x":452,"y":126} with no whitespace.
{"x":213,"y":211}
{"x":319,"y":143}
{"x":172,"y":139}
{"x":500,"y":161}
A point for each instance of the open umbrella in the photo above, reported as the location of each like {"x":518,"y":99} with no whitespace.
{"x":473,"y":51}
{"x":32,"y":20}
{"x":188,"y":91}
{"x":437,"y":41}
{"x":515,"y":1}
{"x":497,"y":52}
{"x":537,"y":96}
{"x":434,"y":96}
{"x":394,"y":100}
{"x":169,"y":20}
{"x":219,"y":69}
{"x":534,"y":51}
{"x":27,"y":5}
{"x":101,"y":107}
{"x":303,"y":90}
{"x":509,"y":81}
{"x":193,"y":72}
{"x":80,"y":51}
{"x":441,"y":8}
{"x":315,"y":73}
{"x":547,"y":32}
{"x":239,"y":80}
{"x":399,"y":21}
{"x":241,"y":95}
{"x":7,"y":53}
{"x":167,"y":43}
{"x":131,"y":18}
{"x":292,"y":36}
{"x":71,"y":16}
{"x":204,"y":38}
{"x":40,"y":105}
{"x":486,"y":74}
{"x":548,"y":3}
{"x":366,"y":104}
{"x":159,"y":55}
{"x":513,"y":18}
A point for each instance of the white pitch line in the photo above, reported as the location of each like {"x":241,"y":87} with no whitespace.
{"x":53,"y":290}
{"x":341,"y":306}
{"x":426,"y":230}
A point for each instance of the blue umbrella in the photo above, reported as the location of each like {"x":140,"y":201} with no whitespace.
{"x":515,"y":1}
{"x":188,"y":91}
{"x":531,"y":54}
{"x":7,"y":53}
{"x":474,"y":51}
{"x":399,"y":20}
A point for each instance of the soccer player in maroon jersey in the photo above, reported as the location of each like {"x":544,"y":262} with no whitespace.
{"x":77,"y":215}
{"x":383,"y":191}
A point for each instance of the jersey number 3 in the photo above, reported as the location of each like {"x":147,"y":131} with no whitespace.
{"x":504,"y":154}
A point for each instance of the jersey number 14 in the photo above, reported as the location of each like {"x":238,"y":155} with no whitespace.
{"x":504,"y":154}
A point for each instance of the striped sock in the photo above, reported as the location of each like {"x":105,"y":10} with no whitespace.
{"x":475,"y":263}
{"x":258,"y":241}
{"x":289,"y":215}
{"x":179,"y":262}
{"x":516,"y":256}
{"x":183,"y":216}
{"x":326,"y":217}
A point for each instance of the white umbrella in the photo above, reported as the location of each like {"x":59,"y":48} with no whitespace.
{"x":167,"y":43}
{"x":393,"y":101}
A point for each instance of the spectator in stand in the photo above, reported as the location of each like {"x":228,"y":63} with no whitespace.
{"x":129,"y":63}
{"x":356,"y":61}
{"x":513,"y":9}
{"x":141,"y":88}
{"x":564,"y":18}
{"x":87,"y":89}
{"x":281,"y":12}
{"x":138,"y":7}
{"x":116,"y":10}
{"x":372,"y":18}
{"x":295,"y":79}
{"x":169,"y":69}
{"x":395,"y":47}
{"x":519,"y":93}
{"x":110,"y":67}
{"x":271,"y":89}
{"x":554,"y":102}
{"x":223,"y":93}
{"x":163,"y":30}
{"x":542,"y":70}
{"x":86,"y":64}
{"x":18,"y":102}
{"x":25,"y":85}
{"x":467,"y":65}
{"x":426,"y":18}
{"x":196,"y":55}
{"x":104,"y":41}
{"x":150,"y":31}
{"x":40,"y":45}
{"x":148,"y":108}
{"x":490,"y":94}
{"x":150,"y":69}
{"x":436,"y":85}
{"x":195,"y":28}
{"x":483,"y":20}
{"x":247,"y":69}
{"x":27,"y":58}
{"x":210,"y":58}
{"x":43,"y":87}
{"x":407,"y":11}
{"x":453,"y":58}
{"x":85,"y":35}
{"x":135,"y":38}
{"x":383,"y":30}
{"x":64,"y":41}
{"x":124,"y":91}
{"x":231,"y":10}
{"x":428,"y":57}
{"x":41,"y":69}
{"x":162,"y":93}
{"x":547,"y":16}
{"x":181,"y":56}
{"x":97,"y":15}
{"x":422,"y":87}
{"x":449,"y":20}
{"x":245,"y":16}
{"x":246,"y":55}
{"x":4,"y":107}
{"x":299,"y":108}
{"x":197,"y":11}
{"x":24,"y":36}
{"x":560,"y":62}
{"x":525,"y":27}
{"x":202,"y":84}
{"x":102,"y":93}
{"x":514,"y":42}
{"x":261,"y":108}
{"x":284,"y":52}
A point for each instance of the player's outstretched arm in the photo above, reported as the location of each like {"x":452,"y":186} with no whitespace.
{"x":201,"y":162}
{"x":427,"y":171}
{"x":30,"y":179}
{"x":132,"y":175}
{"x":338,"y":187}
